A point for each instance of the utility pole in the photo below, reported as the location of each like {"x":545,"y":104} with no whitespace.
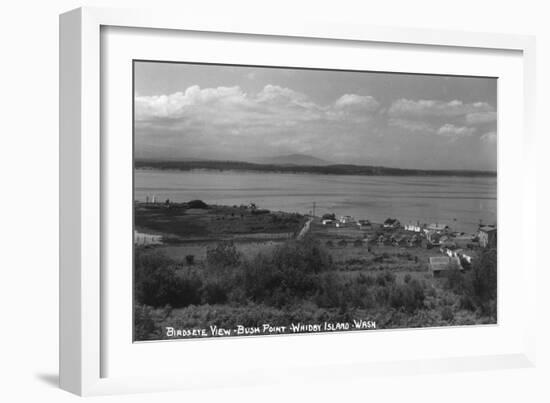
{"x":313,"y":209}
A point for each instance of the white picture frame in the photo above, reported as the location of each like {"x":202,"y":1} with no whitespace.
{"x":83,"y":182}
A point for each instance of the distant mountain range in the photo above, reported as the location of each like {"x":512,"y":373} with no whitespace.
{"x":299,"y":163}
{"x":294,"y":159}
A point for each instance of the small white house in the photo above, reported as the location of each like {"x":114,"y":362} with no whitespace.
{"x":413,"y":227}
{"x":346,"y":219}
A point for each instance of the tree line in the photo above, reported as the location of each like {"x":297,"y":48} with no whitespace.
{"x":336,"y":169}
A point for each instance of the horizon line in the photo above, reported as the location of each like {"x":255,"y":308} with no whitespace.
{"x":329,"y":164}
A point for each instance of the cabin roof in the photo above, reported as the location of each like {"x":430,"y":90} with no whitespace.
{"x":443,"y":262}
{"x":487,"y":228}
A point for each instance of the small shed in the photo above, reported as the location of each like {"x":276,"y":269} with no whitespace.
{"x":391,"y":223}
{"x":441,"y":264}
{"x":487,"y":236}
{"x":363,"y":223}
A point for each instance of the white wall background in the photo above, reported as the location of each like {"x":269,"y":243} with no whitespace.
{"x":29,"y":196}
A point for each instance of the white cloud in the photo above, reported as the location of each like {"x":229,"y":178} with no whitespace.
{"x":407,"y":108}
{"x":275,"y":93}
{"x":199,"y":120}
{"x":273,"y":105}
{"x":450,"y":130}
{"x":177,"y":104}
{"x":475,"y":118}
{"x":490,"y":137}
{"x":364,"y":103}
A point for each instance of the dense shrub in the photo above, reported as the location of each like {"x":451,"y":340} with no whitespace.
{"x":330,"y":291}
{"x":447,"y":314}
{"x":285,"y":275}
{"x":385,"y":278}
{"x":366,"y":280}
{"x":214,"y":292}
{"x":153,"y":274}
{"x":456,"y":281}
{"x":477,"y":287}
{"x":186,"y":289}
{"x":145,"y":327}
{"x":382,"y":295}
{"x":223,"y":255}
{"x":306,"y":256}
{"x":409,"y":297}
{"x":466,"y":302}
{"x":156,"y":282}
{"x":190,"y":259}
{"x":378,"y":259}
{"x":358,"y":294}
{"x":483,"y":278}
{"x":258,"y":277}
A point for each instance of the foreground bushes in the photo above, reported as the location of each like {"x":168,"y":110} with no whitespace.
{"x":156,"y":282}
{"x":288,"y":274}
{"x":294,"y":273}
{"x":368,"y":292}
{"x":223,"y":256}
{"x":296,"y":277}
{"x":477,"y":287}
{"x":297,"y":282}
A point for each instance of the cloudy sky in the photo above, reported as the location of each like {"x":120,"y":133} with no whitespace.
{"x":189,"y":111}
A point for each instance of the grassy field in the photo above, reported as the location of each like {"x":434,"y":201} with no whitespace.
{"x":191,"y":231}
{"x":179,"y":223}
{"x":248,"y":249}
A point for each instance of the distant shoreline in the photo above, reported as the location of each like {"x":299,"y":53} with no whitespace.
{"x":334,"y":169}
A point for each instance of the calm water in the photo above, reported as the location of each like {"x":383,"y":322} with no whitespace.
{"x":458,"y":202}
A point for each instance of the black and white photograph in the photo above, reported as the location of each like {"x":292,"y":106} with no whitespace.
{"x":278,"y":201}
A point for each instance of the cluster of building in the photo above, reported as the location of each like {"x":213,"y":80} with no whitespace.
{"x":453,"y":246}
{"x":458,"y":258}
{"x":436,"y":234}
{"x":399,"y":240}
